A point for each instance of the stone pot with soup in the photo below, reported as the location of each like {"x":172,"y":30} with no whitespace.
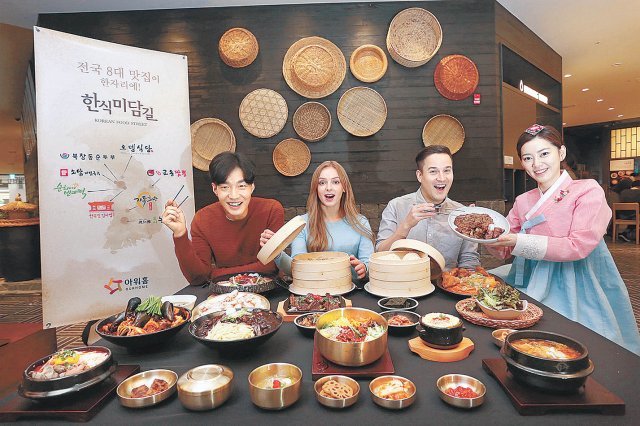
{"x":546,"y":360}
{"x":440,"y":331}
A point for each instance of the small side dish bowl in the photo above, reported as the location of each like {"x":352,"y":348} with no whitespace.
{"x":337,"y":401}
{"x":275,"y":398}
{"x":307,"y":331}
{"x":403,"y":303}
{"x":187,"y":301}
{"x":449,"y":381}
{"x":401,"y":330}
{"x":393,"y":404}
{"x":503,"y":314}
{"x":146,"y":378}
{"x":205,"y":387}
{"x":500,"y":334}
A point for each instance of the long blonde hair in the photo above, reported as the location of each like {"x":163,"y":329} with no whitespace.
{"x":318,"y":239}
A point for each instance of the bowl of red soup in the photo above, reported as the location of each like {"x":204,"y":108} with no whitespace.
{"x":401,"y":322}
{"x":547,"y":360}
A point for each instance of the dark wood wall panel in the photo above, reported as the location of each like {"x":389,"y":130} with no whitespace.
{"x":381,"y":166}
{"x":512,"y":33}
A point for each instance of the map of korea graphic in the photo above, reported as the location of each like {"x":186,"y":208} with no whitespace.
{"x":136,"y":202}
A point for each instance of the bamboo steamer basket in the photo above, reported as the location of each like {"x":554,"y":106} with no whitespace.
{"x":321,"y":272}
{"x":323,"y":286}
{"x":410,"y":277}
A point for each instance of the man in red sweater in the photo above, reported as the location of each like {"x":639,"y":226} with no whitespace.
{"x":225,"y":236}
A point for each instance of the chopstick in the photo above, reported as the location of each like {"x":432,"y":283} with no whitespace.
{"x":176,"y":196}
{"x":185,"y":199}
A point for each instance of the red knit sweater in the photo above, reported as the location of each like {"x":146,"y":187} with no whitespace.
{"x":231,"y":245}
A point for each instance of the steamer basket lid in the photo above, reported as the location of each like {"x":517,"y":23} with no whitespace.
{"x":437,"y":260}
{"x":281,"y":239}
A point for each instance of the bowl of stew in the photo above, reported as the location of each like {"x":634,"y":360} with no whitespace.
{"x":546,"y":360}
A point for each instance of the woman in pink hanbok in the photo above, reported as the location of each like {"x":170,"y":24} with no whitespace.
{"x":561,"y":258}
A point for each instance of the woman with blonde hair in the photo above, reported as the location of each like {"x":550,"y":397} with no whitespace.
{"x":333,"y":222}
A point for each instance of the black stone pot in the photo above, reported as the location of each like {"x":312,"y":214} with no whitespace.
{"x":63,"y":386}
{"x":441,"y":338}
{"x":553,"y":375}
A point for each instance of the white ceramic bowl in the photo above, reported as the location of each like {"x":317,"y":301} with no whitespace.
{"x":187,"y":301}
{"x":504,"y":314}
{"x":498,"y":220}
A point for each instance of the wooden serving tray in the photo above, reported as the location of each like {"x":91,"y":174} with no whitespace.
{"x":80,"y":407}
{"x":286,"y":317}
{"x":458,"y":353}
{"x":529,"y":401}
{"x":321,"y":367}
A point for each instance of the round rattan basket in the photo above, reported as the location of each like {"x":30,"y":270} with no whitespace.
{"x":466,"y":309}
{"x":368,"y":63}
{"x":291,"y":157}
{"x":210,"y":137}
{"x":263,"y":113}
{"x":238,"y":47}
{"x":414,"y":37}
{"x":443,"y":130}
{"x":456,"y":77}
{"x":362,"y":111}
{"x":312,"y":121}
{"x":199,"y":162}
{"x":314,"y":67}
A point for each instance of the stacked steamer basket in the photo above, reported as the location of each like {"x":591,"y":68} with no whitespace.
{"x":405,"y":271}
{"x":321,"y":273}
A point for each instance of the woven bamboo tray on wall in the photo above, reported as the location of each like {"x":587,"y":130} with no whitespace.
{"x":314,"y":67}
{"x":312,"y":121}
{"x":211,"y":136}
{"x":456,"y":77}
{"x":443,"y":130}
{"x":238,"y":47}
{"x":263,"y":113}
{"x":291,"y":157}
{"x":368,"y":63}
{"x":414,"y":37}
{"x":362,"y":111}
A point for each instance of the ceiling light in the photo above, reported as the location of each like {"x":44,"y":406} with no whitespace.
{"x":567,"y":75}
{"x":611,"y":108}
{"x":586,"y":89}
{"x":620,"y":115}
{"x":599,"y":100}
{"x":564,"y":124}
{"x":616,"y":64}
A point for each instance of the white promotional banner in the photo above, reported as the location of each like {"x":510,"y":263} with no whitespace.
{"x":113,"y":148}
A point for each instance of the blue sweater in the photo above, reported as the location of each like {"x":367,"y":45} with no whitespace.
{"x":342,"y":237}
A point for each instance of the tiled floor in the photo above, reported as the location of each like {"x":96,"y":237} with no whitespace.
{"x":28,"y":307}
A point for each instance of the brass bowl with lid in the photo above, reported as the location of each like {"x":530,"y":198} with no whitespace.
{"x":205,"y":387}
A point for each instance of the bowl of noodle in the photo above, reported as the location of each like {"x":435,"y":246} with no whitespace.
{"x":236,"y":330}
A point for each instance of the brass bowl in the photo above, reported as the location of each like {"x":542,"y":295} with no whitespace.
{"x":351,"y":354}
{"x":454,"y":380}
{"x":393,"y":404}
{"x":499,"y":335}
{"x":335,"y":402}
{"x":275,"y":399}
{"x":146,"y":378}
{"x":205,"y":387}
